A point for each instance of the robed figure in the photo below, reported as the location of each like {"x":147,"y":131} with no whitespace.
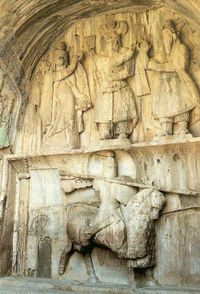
{"x":176,"y":93}
{"x":71,"y":98}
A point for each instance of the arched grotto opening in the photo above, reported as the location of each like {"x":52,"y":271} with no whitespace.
{"x":99,"y":146}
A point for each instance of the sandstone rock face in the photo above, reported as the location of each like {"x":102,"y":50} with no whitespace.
{"x":99,"y":141}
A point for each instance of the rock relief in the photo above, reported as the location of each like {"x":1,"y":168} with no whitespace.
{"x":122,"y":82}
{"x":176,"y":93}
{"x":7,"y":101}
{"x":120,"y":218}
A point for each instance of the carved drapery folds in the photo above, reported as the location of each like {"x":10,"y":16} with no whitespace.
{"x":110,"y":82}
{"x":176,"y":93}
{"x":115,"y":109}
{"x":119,"y":85}
{"x":7,"y":102}
{"x":71,"y":97}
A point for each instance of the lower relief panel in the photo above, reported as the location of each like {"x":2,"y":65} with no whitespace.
{"x":46,"y":228}
{"x":94,"y":229}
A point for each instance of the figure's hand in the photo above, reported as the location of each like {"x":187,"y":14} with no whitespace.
{"x":152,"y":64}
{"x":89,"y":105}
{"x":84,"y":103}
{"x":134,"y":45}
{"x":79,"y":56}
{"x":114,"y":76}
{"x":76,"y":57}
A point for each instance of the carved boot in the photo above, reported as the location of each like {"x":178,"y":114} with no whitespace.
{"x":123,"y":129}
{"x":104,"y":131}
{"x":123,"y":137}
{"x":182,"y":128}
{"x":166,"y":129}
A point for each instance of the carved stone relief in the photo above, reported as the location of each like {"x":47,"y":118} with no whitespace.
{"x":46,"y":214}
{"x":106,"y":219}
{"x":102,"y":157}
{"x":115,"y":109}
{"x":176,"y":93}
{"x":7,"y":103}
{"x":71,"y":97}
{"x":118,"y":218}
{"x":124,"y":82}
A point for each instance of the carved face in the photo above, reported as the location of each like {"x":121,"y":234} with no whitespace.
{"x":60,"y":60}
{"x":113,"y":45}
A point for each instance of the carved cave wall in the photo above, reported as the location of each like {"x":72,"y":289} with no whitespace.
{"x":115,"y":206}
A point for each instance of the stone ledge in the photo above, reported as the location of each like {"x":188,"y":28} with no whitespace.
{"x":36,"y":285}
{"x":178,"y":154}
{"x":92,"y":149}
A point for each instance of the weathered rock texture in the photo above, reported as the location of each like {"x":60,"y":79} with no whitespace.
{"x":99,"y":142}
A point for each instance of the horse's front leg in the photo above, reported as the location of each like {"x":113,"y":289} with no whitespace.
{"x":64,"y":258}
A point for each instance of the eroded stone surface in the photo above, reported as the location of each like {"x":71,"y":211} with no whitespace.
{"x":99,"y":144}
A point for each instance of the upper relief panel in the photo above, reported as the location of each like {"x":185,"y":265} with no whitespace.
{"x":115,"y":79}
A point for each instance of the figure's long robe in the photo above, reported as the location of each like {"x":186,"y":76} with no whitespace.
{"x":115,"y":101}
{"x":176,"y":92}
{"x":66,"y":102}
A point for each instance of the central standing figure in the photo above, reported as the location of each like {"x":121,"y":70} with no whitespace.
{"x":115,"y":109}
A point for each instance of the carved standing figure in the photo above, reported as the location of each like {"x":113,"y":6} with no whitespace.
{"x":176,"y":92}
{"x":115,"y":109}
{"x":141,"y":79}
{"x":6,"y":105}
{"x":34,"y":123}
{"x":70,"y":97}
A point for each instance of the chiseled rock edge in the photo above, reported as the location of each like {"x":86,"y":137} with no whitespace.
{"x":33,"y":285}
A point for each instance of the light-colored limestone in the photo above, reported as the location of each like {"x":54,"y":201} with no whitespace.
{"x":34,"y":286}
{"x":178,"y":232}
{"x":99,"y":145}
{"x":111,"y":87}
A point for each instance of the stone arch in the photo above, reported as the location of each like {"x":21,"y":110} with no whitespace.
{"x":28,"y":33}
{"x":49,"y":21}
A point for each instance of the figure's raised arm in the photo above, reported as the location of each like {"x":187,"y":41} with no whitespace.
{"x":67,"y":72}
{"x":125,"y":54}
